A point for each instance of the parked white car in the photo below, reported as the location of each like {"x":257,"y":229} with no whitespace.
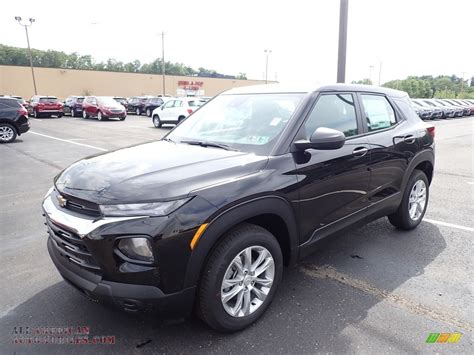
{"x":175,"y":110}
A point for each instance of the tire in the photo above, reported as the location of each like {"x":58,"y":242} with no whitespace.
{"x":7,"y":133}
{"x":148,"y":112}
{"x":85,"y":115}
{"x":60,"y":115}
{"x":123,"y":118}
{"x":180,"y":119}
{"x":403,"y":218}
{"x":35,"y":114}
{"x":223,"y":265}
{"x":73,"y":114}
{"x":99,"y":116}
{"x":138,"y":112}
{"x":157,"y":122}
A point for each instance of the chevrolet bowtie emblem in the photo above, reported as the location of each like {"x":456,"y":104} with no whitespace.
{"x":62,"y":201}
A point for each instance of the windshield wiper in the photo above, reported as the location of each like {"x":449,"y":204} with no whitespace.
{"x":208,"y":144}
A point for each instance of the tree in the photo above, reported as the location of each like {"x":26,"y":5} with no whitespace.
{"x":363,"y":82}
{"x":56,"y":59}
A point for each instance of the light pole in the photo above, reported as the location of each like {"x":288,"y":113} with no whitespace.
{"x":267,"y":52}
{"x":26,"y":25}
{"x":341,"y":53}
{"x":163,"y":60}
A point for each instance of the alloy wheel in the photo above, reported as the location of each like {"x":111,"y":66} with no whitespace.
{"x":99,"y":116}
{"x":6,"y":133}
{"x":417,"y":200}
{"x":247,"y":281}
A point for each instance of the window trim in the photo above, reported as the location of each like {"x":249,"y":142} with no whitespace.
{"x":399,"y":118}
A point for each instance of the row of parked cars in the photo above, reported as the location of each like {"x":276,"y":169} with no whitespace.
{"x":162,"y":110}
{"x":430,"y":109}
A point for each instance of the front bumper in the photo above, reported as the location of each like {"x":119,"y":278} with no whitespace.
{"x":82,"y":251}
{"x":129,"y":297}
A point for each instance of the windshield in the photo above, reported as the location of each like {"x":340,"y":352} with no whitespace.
{"x":249,"y":122}
{"x":107,"y":101}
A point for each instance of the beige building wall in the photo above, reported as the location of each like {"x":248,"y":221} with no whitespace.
{"x":16,"y":80}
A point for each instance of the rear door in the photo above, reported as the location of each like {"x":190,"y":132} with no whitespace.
{"x":393,"y":142}
{"x":333,"y":183}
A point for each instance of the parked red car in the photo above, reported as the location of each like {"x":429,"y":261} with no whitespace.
{"x":102,"y":107}
{"x":45,"y":106}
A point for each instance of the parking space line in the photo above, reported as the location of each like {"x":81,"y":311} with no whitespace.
{"x":451,"y":225}
{"x":69,"y":141}
{"x":329,"y":272}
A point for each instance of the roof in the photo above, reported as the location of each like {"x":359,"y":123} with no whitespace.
{"x":280,"y":88}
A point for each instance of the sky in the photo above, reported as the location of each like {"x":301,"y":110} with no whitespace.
{"x":404,"y":37}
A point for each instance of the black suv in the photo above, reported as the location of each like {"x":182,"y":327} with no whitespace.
{"x":13,"y":119}
{"x":136,"y":104}
{"x":249,"y":182}
{"x":151,"y":104}
{"x":73,"y":106}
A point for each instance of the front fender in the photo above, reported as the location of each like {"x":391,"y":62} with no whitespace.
{"x":224,"y":220}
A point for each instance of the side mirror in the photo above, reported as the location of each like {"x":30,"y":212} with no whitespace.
{"x":322,"y":139}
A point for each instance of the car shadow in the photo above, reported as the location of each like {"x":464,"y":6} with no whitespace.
{"x":308,"y":314}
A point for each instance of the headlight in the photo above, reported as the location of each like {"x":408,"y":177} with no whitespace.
{"x":153,"y":209}
{"x":137,"y":248}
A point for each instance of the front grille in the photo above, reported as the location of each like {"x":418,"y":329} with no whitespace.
{"x":116,"y":111}
{"x":71,"y":246}
{"x":80,"y":206}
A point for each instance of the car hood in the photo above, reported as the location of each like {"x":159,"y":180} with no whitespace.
{"x":154,"y":171}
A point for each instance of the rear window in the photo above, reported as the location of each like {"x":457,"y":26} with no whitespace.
{"x":79,"y":100}
{"x":10,"y":102}
{"x":48,"y":100}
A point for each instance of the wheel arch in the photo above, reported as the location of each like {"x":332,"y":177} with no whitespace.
{"x":424,"y":161}
{"x":11,"y":123}
{"x":273,"y":213}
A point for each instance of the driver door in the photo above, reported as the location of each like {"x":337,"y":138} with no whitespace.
{"x":333,"y":183}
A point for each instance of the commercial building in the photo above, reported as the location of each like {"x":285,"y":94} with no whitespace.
{"x":16,"y":80}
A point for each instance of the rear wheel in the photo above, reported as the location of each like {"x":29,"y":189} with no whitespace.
{"x":148,"y":112}
{"x":414,"y":202}
{"x":35,"y":113}
{"x":156,"y":121}
{"x":99,"y":116}
{"x":7,"y":133}
{"x":180,"y":119}
{"x":73,"y":114}
{"x":240,"y":278}
{"x":138,"y":112}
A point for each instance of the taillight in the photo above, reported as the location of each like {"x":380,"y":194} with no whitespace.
{"x":431,"y":131}
{"x":190,"y":111}
{"x":23,"y":111}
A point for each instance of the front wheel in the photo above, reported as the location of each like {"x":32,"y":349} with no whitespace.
{"x":73,"y":114}
{"x":240,"y":278}
{"x":138,"y":112}
{"x":148,"y":112}
{"x":414,"y":202}
{"x":85,"y":115}
{"x":156,"y":121}
{"x":99,"y":116}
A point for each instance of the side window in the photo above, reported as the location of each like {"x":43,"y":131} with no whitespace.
{"x":178,"y":103}
{"x":336,"y":111}
{"x":378,"y":112}
{"x":168,"y":104}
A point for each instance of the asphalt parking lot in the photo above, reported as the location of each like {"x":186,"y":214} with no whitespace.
{"x":372,"y":290}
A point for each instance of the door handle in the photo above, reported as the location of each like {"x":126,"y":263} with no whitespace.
{"x":409,"y":139}
{"x":360,"y":151}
